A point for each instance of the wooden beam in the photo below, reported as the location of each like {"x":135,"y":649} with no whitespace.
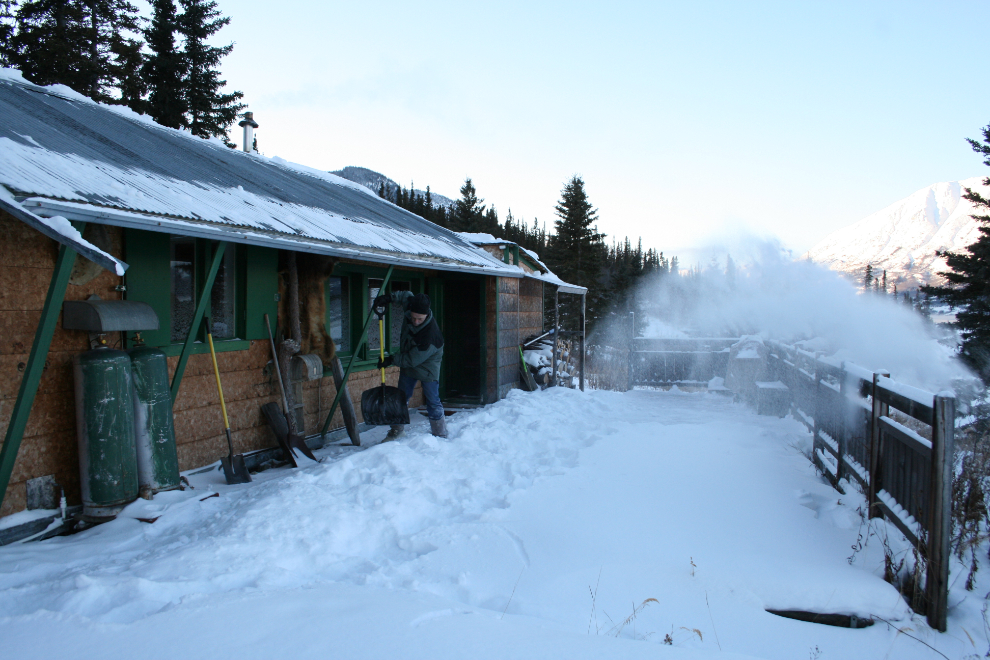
{"x":354,"y":356}
{"x":940,"y":512}
{"x":197,"y":319}
{"x":36,"y":361}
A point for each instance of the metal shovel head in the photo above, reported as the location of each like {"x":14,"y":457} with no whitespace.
{"x":384,"y":406}
{"x":234,"y":469}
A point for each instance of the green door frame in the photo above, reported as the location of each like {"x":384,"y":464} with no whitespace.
{"x":36,"y":361}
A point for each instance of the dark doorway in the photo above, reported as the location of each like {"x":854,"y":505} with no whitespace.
{"x":462,"y":304}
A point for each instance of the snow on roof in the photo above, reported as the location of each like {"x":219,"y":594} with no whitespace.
{"x":74,"y":157}
{"x":546,"y":275}
{"x":61,"y":230}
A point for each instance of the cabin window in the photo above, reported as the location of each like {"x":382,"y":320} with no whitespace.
{"x":189,"y":265}
{"x":339,"y":313}
{"x":350,"y":296}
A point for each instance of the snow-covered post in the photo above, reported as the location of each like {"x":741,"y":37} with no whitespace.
{"x":879,"y":410}
{"x":632,"y":351}
{"x":583,"y":296}
{"x":843,"y":426}
{"x":556,"y":337}
{"x":940,"y":505}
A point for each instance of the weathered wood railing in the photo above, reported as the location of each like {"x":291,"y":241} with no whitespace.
{"x":907,"y":477}
{"x":663,"y":362}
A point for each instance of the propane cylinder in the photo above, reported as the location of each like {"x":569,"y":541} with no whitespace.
{"x":105,"y":427}
{"x":154,"y":430}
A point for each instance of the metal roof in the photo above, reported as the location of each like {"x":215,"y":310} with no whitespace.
{"x":63,"y":154}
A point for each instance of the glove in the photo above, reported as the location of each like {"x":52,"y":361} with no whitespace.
{"x":387,"y":362}
{"x":382,"y":300}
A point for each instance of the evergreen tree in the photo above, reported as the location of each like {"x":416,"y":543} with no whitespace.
{"x":84,"y":44}
{"x":7,"y":17}
{"x":468,"y":213}
{"x":576,"y":251}
{"x":210,"y":112}
{"x":967,"y":285}
{"x":164,"y":69}
{"x":868,"y":278}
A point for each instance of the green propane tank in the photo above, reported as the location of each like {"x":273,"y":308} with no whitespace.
{"x":154,"y":430}
{"x":105,"y":426}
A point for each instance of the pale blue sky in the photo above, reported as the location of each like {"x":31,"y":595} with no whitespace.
{"x":787,"y":119}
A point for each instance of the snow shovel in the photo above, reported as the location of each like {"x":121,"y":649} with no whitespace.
{"x":293,"y":440}
{"x":384,"y":406}
{"x":234,"y":469}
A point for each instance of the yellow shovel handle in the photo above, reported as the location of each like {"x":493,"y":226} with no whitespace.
{"x":381,"y":344}
{"x":216,"y":372}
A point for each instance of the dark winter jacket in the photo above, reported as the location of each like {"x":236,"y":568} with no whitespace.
{"x":420,"y":347}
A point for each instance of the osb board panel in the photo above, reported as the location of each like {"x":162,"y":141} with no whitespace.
{"x":33,"y":249}
{"x":56,"y":376}
{"x":508,"y":303}
{"x":532,"y":288}
{"x":508,"y":284}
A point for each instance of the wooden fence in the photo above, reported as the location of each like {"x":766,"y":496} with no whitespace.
{"x":857,"y":436}
{"x":682,"y":362}
{"x":894,"y":440}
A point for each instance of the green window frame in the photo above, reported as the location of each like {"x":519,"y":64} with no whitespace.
{"x":358,"y":281}
{"x":252,"y":289}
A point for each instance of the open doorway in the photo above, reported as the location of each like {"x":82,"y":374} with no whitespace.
{"x":461,"y":376}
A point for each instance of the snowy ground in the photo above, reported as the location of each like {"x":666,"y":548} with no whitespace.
{"x":533,"y":532}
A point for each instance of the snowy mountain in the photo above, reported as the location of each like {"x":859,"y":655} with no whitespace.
{"x":904,"y":237}
{"x":373,"y":180}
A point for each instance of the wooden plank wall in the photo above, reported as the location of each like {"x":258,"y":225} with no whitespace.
{"x":530,"y":308}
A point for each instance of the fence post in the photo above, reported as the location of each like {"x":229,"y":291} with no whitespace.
{"x":556,"y":337}
{"x":632,"y":352}
{"x":841,"y":425}
{"x":879,"y":410}
{"x":939,"y":514}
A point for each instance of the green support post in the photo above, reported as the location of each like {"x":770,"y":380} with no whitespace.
{"x":204,"y":300}
{"x":354,"y":356}
{"x":36,"y":362}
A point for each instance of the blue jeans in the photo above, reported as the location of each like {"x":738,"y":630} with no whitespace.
{"x":431,"y":392}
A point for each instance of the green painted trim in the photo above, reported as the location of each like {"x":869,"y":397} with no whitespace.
{"x":199,"y":347}
{"x":149,"y":278}
{"x":260,"y":290}
{"x":36,"y":361}
{"x":353,"y":361}
{"x":204,"y":301}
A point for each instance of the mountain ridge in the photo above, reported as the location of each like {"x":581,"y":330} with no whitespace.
{"x":904,"y":237}
{"x":373,"y":181}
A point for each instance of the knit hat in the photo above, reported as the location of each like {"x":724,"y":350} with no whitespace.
{"x":420,"y":304}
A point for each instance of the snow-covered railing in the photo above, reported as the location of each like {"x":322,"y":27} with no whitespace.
{"x":907,"y":476}
{"x":663,"y":362}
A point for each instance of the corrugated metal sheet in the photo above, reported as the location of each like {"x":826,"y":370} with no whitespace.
{"x":57,"y":145}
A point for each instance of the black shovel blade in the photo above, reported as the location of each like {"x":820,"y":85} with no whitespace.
{"x":234,"y":469}
{"x":384,"y":406}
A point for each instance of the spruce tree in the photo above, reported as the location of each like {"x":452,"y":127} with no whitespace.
{"x":210,"y":112}
{"x":868,"y":278}
{"x":967,"y":286}
{"x":468,"y":212}
{"x":87,"y":45}
{"x":7,"y":17}
{"x":577,"y":250}
{"x":164,"y":69}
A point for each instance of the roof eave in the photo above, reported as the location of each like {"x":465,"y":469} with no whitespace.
{"x":46,"y":207}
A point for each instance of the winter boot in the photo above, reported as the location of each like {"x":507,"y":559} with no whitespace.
{"x":439,"y":427}
{"x":394,"y":432}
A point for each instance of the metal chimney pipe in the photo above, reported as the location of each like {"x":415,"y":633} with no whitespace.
{"x":249,"y":125}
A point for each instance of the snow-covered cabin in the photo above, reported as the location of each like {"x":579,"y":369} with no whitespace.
{"x":153,"y":205}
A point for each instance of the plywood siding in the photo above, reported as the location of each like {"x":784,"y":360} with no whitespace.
{"x":49,"y":446}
